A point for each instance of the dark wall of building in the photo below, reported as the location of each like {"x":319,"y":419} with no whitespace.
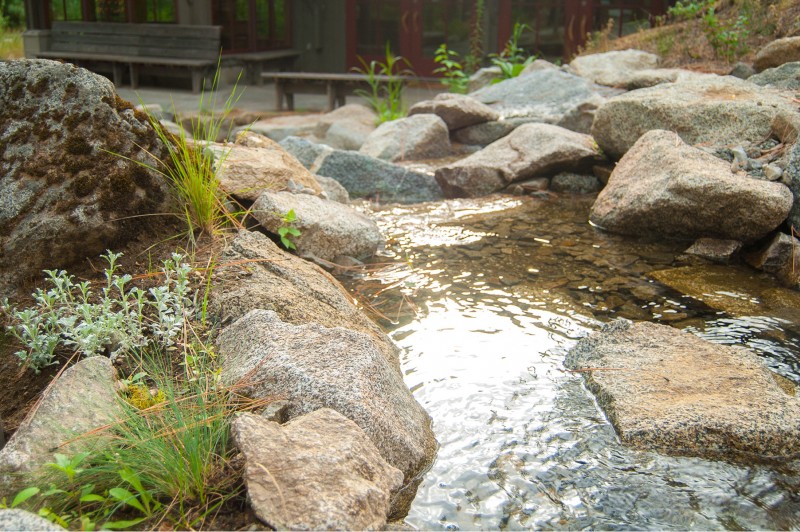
{"x":319,"y":34}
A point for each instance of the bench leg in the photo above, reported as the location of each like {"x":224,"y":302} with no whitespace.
{"x":119,"y":73}
{"x":290,"y":101}
{"x":331,"y":91}
{"x":278,"y":95}
{"x":197,"y":80}
{"x":134,"y":69}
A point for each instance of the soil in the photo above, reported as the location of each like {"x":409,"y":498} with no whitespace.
{"x":683,"y":44}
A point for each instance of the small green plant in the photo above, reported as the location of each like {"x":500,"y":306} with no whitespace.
{"x":689,"y":9}
{"x":729,"y":40}
{"x":386,"y":80}
{"x":287,"y":230}
{"x":452,"y":71}
{"x":513,"y":59}
{"x":115,"y":320}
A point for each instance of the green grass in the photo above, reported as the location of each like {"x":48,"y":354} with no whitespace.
{"x":11,"y":44}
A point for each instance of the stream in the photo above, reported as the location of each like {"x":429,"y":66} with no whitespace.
{"x":485,"y":297}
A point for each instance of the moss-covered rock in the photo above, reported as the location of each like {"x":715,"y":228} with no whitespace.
{"x":71,"y":184}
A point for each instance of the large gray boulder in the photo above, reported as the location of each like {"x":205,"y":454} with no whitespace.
{"x":613,"y":68}
{"x":457,"y":110}
{"x":16,"y":520}
{"x":531,"y":150}
{"x":317,"y":472}
{"x":364,"y":176}
{"x":671,"y":391}
{"x":718,"y":111}
{"x":315,"y":367}
{"x":255,"y":164}
{"x":777,"y":52}
{"x":81,"y":400}
{"x":421,"y":136}
{"x":327,"y":228}
{"x":663,"y":187}
{"x":791,"y":176}
{"x":786,"y":76}
{"x":262,"y":276}
{"x":70,"y":183}
{"x":549,"y":95}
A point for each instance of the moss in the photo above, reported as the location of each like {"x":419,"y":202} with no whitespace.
{"x":39,"y":87}
{"x":118,"y":192}
{"x":141,"y":177}
{"x":73,"y":165}
{"x":77,"y":146}
{"x":84,"y":184}
{"x":72,"y":121}
{"x":121,"y":105}
{"x":70,"y":91}
{"x":42,"y":130}
{"x":141,"y":116}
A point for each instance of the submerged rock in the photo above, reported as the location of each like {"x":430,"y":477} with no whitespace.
{"x":317,"y":472}
{"x":327,"y":228}
{"x":531,"y":150}
{"x":662,"y":187}
{"x":315,"y":367}
{"x":715,"y":250}
{"x":71,"y":185}
{"x":671,"y":391}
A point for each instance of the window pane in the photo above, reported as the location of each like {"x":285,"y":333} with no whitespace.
{"x":65,"y":10}
{"x":161,"y":11}
{"x":378,"y":22}
{"x":110,"y":10}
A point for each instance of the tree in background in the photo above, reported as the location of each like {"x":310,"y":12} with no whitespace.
{"x":12,"y":14}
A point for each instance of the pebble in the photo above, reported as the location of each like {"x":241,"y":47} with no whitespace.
{"x":773,"y":172}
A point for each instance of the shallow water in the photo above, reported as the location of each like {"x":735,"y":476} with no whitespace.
{"x":485,"y":297}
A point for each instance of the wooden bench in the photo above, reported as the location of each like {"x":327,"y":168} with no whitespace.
{"x":255,"y":63}
{"x":133,"y":47}
{"x":336,"y":86}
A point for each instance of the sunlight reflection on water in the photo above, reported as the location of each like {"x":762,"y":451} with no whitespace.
{"x":487,"y":297}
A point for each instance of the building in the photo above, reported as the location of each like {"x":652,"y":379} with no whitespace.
{"x":331,"y":35}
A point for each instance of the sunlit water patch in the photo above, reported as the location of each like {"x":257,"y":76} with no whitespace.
{"x":485,"y":297}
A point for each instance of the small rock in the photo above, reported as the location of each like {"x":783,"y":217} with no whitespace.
{"x":716,"y":250}
{"x":781,"y":257}
{"x":773,"y":172}
{"x":327,"y":228}
{"x":613,"y":68}
{"x":317,"y":472}
{"x":575,"y":183}
{"x":777,"y":52}
{"x":332,"y":189}
{"x":16,"y":519}
{"x":457,"y":110}
{"x":742,"y":70}
{"x":420,"y":136}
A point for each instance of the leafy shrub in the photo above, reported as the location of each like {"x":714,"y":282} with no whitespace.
{"x":116,"y":320}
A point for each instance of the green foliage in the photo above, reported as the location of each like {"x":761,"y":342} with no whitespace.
{"x":12,"y":14}
{"x":115,"y":320}
{"x":728,"y":39}
{"x":513,"y":59}
{"x":386,"y":80}
{"x":452,"y":71}
{"x":287,"y":231}
{"x":192,"y":170}
{"x":689,"y":9}
{"x":165,"y":462}
{"x":10,"y":44}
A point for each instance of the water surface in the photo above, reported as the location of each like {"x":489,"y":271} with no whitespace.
{"x":485,"y":297}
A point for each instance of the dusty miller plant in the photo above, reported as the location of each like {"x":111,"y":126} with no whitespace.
{"x":115,"y":320}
